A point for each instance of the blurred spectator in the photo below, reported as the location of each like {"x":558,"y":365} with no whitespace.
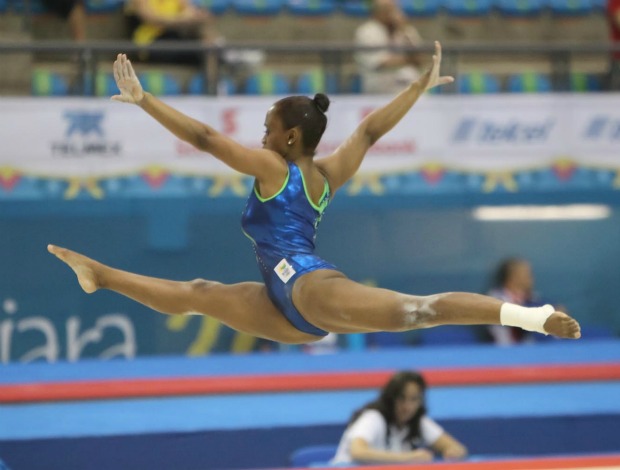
{"x":152,"y":21}
{"x":327,"y":345}
{"x":74,"y":12}
{"x":385,"y":71}
{"x":395,"y":428}
{"x":263,"y":345}
{"x":613,"y":17}
{"x":513,"y":282}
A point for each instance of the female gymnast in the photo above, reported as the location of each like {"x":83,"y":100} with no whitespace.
{"x":303,"y":297}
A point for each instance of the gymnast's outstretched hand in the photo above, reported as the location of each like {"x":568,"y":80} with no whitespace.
{"x":127,"y":81}
{"x":432,"y":78}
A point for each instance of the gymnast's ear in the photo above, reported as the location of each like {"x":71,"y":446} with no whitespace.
{"x":293,"y":135}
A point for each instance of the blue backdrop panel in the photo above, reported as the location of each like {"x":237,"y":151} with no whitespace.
{"x":414,"y":249}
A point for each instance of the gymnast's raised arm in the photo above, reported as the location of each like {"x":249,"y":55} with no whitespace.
{"x":345,"y":161}
{"x":261,"y":163}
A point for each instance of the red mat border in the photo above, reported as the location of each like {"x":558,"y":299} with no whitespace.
{"x":521,"y":464}
{"x":269,"y":383}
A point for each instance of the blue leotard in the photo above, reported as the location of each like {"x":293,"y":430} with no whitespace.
{"x":283,"y":229}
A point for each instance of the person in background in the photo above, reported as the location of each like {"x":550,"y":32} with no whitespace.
{"x":385,"y":71}
{"x":327,"y":345}
{"x":513,"y":281}
{"x":74,"y":12}
{"x":395,"y":428}
{"x":158,"y":21}
{"x":613,"y":18}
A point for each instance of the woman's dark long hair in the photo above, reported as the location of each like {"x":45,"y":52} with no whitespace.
{"x":503,"y":271}
{"x":386,"y":403}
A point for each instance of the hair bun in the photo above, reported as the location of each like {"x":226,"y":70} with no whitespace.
{"x":322,"y":102}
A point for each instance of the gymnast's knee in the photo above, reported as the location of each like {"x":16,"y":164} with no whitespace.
{"x":202,"y":286}
{"x":417,"y":312}
{"x":199,"y":293}
{"x":196,"y":294}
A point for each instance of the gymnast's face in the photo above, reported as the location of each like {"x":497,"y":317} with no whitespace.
{"x":408,"y":403}
{"x":275,"y":137}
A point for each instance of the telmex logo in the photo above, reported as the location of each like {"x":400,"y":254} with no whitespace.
{"x":84,"y":122}
{"x":492,"y":132}
{"x":602,"y":128}
{"x":84,"y":137}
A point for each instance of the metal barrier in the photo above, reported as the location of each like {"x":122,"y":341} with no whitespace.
{"x":332,"y":57}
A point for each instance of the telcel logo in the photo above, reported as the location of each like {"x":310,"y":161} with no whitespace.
{"x":492,"y":132}
{"x":602,"y":128}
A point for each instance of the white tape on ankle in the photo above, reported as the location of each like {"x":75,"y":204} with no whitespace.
{"x":528,"y":318}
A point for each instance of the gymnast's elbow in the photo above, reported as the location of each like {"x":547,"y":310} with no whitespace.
{"x":203,"y":138}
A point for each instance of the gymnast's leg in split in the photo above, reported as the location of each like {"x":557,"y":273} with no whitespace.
{"x":325,"y":298}
{"x":356,"y":307}
{"x":243,"y":306}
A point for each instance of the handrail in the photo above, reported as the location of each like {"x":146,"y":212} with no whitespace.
{"x":305,"y":47}
{"x":332,"y":55}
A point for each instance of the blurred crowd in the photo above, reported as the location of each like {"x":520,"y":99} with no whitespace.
{"x":383,"y":25}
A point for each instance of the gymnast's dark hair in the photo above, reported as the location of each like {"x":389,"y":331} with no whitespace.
{"x":306,"y":113}
{"x":386,"y":403}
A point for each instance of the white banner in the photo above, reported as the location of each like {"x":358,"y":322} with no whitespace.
{"x":96,"y":137}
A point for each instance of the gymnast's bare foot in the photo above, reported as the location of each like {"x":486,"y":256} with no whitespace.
{"x":84,"y":268}
{"x":561,"y":325}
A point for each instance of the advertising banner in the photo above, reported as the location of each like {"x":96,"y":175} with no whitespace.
{"x":94,"y":148}
{"x":96,"y":137}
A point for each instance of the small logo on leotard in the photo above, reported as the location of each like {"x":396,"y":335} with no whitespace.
{"x":284,"y":270}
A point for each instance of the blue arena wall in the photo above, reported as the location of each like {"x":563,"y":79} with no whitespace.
{"x":420,"y":245}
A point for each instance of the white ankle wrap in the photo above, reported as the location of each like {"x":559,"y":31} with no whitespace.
{"x":528,"y":318}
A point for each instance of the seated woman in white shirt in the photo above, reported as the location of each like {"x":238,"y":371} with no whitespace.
{"x":395,"y":428}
